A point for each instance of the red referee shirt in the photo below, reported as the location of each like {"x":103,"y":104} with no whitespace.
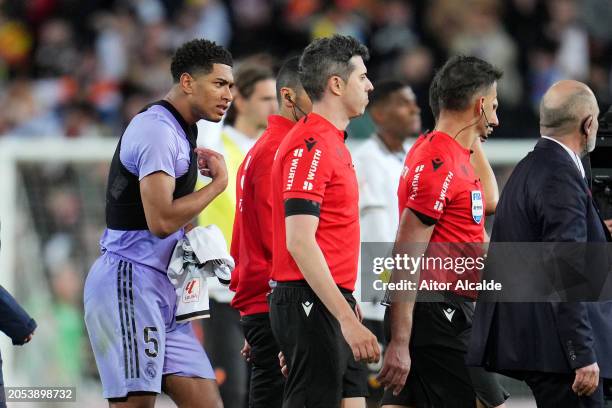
{"x":438,"y":181}
{"x":313,"y":163}
{"x":252,"y":234}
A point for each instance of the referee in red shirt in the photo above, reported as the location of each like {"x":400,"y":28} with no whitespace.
{"x":441,"y":200}
{"x":316,"y":235}
{"x":252,"y":241}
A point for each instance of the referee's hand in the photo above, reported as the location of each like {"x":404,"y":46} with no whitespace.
{"x":362,"y":342}
{"x":587,"y":380}
{"x":396,"y":366}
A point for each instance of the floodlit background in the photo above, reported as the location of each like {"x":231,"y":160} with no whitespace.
{"x":73,"y":73}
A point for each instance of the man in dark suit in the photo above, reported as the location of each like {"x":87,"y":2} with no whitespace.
{"x":15,"y":323}
{"x":560,"y":349}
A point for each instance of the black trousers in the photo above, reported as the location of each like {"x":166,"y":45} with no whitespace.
{"x":555,"y":391}
{"x":267,"y":382}
{"x":322,"y":370}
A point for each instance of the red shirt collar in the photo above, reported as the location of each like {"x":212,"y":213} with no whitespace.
{"x":280,"y":122}
{"x":452,"y":143}
{"x":326,"y":124}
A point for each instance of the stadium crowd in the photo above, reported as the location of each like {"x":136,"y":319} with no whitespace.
{"x":85,"y":68}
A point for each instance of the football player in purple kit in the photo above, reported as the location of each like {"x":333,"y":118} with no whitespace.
{"x":130,"y":303}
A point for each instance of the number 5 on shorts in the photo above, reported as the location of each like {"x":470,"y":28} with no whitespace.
{"x":153,"y":349}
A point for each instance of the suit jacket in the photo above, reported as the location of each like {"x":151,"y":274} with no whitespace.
{"x":14,"y":321}
{"x":545,"y":200}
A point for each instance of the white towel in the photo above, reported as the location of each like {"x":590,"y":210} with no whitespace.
{"x":200,"y":255}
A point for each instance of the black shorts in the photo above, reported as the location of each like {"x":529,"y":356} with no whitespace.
{"x":266,"y":382}
{"x":322,"y":370}
{"x":438,"y":375}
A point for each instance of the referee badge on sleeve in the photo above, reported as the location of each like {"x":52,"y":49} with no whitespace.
{"x":477,"y":207}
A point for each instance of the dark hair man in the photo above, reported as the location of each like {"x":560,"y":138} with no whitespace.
{"x":567,"y":351}
{"x":394,"y":110}
{"x":139,"y":348}
{"x":316,"y":235}
{"x":252,"y":241}
{"x":441,"y":200}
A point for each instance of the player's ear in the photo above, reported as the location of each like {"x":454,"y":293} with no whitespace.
{"x":186,"y":83}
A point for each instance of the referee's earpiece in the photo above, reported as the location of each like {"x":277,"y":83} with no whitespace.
{"x":482,"y":113}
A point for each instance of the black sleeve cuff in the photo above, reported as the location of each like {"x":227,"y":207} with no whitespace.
{"x":297,"y":206}
{"x":425,"y":219}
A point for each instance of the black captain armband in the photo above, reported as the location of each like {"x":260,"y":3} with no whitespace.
{"x":297,"y":206}
{"x":425,"y":219}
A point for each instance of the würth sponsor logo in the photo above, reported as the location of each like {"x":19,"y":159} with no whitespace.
{"x":415,"y":181}
{"x":312,"y":171}
{"x":297,"y":153}
{"x":405,"y":171}
{"x":438,"y":206}
{"x":192,"y":291}
{"x":307,"y":186}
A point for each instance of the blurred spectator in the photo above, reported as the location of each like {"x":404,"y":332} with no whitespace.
{"x":393,"y":31}
{"x":70,"y":52}
{"x":573,"y":53}
{"x":203,"y":19}
{"x":482,"y":35}
{"x":82,"y":119}
{"x":340,"y":17}
{"x":56,"y":52}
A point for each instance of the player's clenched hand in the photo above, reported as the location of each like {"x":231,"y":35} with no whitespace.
{"x":362,"y":342}
{"x":283,"y":364}
{"x":246,"y":351}
{"x":396,"y":366}
{"x":212,"y":164}
{"x":587,"y":380}
{"x":28,"y":338}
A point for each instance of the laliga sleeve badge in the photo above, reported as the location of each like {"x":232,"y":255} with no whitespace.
{"x":477,"y":206}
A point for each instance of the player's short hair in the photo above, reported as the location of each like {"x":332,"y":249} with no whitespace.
{"x":434,"y":103}
{"x":462,"y":78}
{"x":383,"y":90}
{"x":197,"y":57}
{"x":288,"y":76}
{"x":326,"y":57}
{"x":246,"y":77}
